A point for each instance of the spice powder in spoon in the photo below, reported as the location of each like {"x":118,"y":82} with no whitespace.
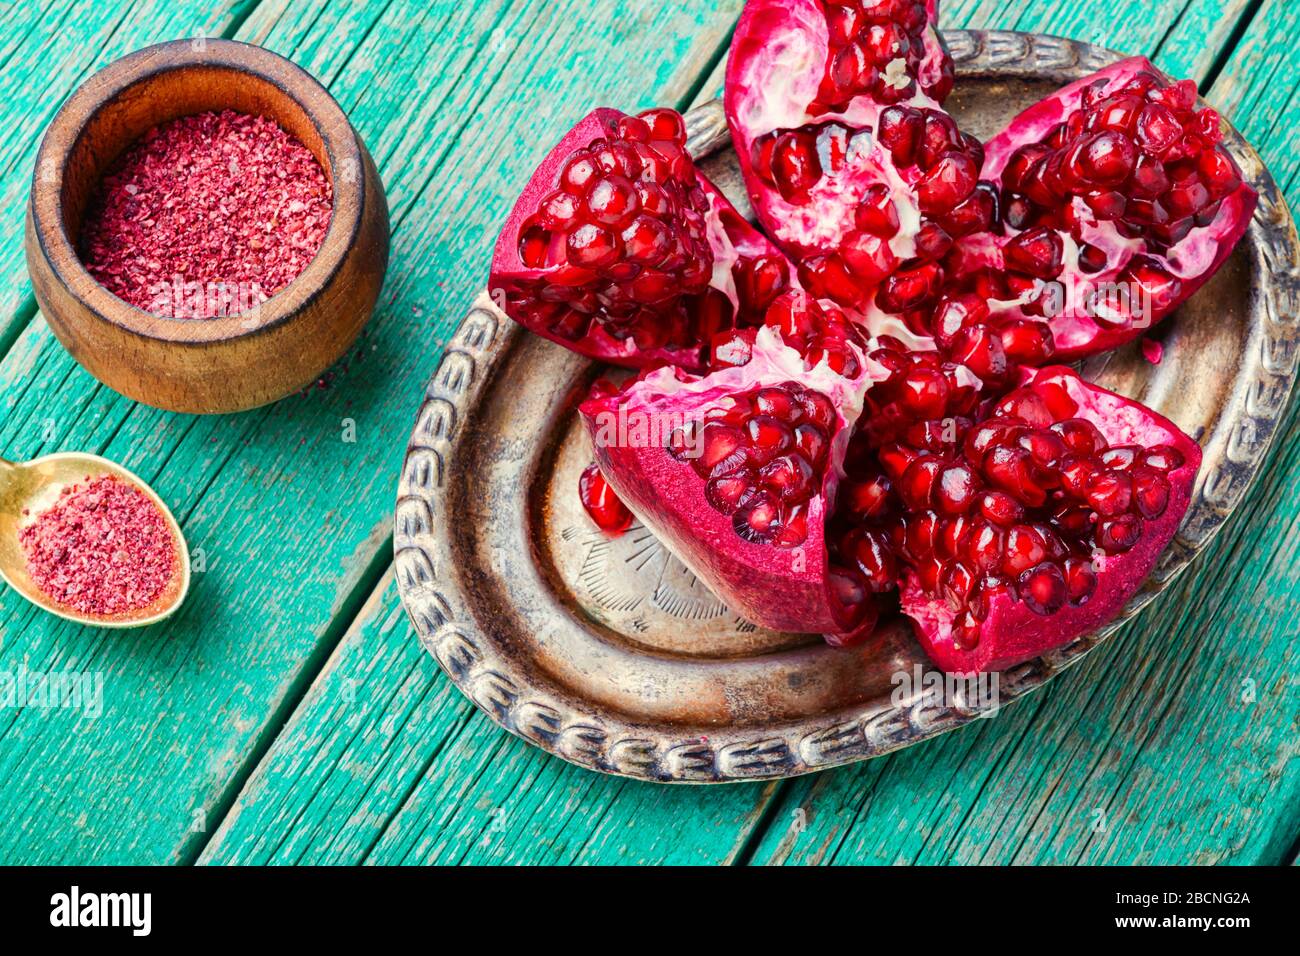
{"x":102,"y":548}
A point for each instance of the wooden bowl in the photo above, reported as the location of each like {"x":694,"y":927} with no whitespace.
{"x":222,"y":364}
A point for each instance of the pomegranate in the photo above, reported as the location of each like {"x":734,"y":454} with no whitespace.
{"x":1118,"y":201}
{"x":603,"y":506}
{"x":852,"y":165}
{"x":736,"y":470}
{"x":879,"y":412}
{"x":621,"y":250}
{"x":1020,"y":529}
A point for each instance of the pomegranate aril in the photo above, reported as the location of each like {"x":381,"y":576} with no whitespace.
{"x":758,"y":520}
{"x":876,"y":212}
{"x":1025,"y":547}
{"x":966,"y":631}
{"x":794,"y":528}
{"x":1043,"y":588}
{"x":899,"y":130}
{"x":984,"y":546}
{"x":1120,"y":457}
{"x":728,"y":492}
{"x":956,"y":583}
{"x":1106,"y":159}
{"x":1037,"y":252}
{"x":1110,"y":493}
{"x":867,"y":498}
{"x":811,"y":442}
{"x":919,"y":535}
{"x":1163,"y":458}
{"x":1119,"y":534}
{"x":768,"y":434}
{"x":1080,"y":580}
{"x":579,"y":174}
{"x":1080,"y":436}
{"x":789,"y":477}
{"x":796,"y":167}
{"x":871,"y":552}
{"x":719,"y":443}
{"x":1002,"y":509}
{"x":1150,"y":492}
{"x":600,"y":502}
{"x":850,"y":594}
{"x":868,"y":256}
{"x":948,"y":182}
{"x":917,"y":482}
{"x":955,"y":490}
{"x":819,"y":410}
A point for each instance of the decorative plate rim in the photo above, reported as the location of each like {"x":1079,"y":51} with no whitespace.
{"x":531,"y":706}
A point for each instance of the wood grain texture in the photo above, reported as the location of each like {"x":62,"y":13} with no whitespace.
{"x":386,"y":762}
{"x":979,"y":793}
{"x":295,"y":519}
{"x":295,"y":524}
{"x":47,"y":48}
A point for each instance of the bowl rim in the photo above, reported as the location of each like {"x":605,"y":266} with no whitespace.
{"x":342,"y":150}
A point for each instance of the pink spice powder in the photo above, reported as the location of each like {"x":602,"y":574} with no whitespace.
{"x":102,"y":548}
{"x":207,"y":215}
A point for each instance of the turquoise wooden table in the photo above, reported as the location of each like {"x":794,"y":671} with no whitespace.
{"x":287,"y":715}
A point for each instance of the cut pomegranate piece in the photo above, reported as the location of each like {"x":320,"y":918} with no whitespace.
{"x":620,"y":249}
{"x":1015,"y":533}
{"x":736,"y":471}
{"x":1119,"y":201}
{"x":852,"y":166}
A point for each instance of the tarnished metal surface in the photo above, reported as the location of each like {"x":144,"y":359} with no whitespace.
{"x":610,"y":654}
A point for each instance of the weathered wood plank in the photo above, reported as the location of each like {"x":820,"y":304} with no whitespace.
{"x":1176,"y":742}
{"x":46,"y":50}
{"x":386,"y":762}
{"x":457,"y":101}
{"x":477,"y":798}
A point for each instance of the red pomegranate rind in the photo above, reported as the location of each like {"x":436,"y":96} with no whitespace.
{"x":781,"y":583}
{"x":619,"y":249}
{"x":1012,"y":632}
{"x":1154,"y":197}
{"x":852,"y":166}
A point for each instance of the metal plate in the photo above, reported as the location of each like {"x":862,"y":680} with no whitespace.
{"x":611,"y":655}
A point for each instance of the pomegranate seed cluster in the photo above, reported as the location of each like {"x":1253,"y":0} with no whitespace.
{"x":1028,"y":502}
{"x":875,"y":52}
{"x":625,"y":241}
{"x":1141,"y":157}
{"x":762,"y":456}
{"x":876,"y":48}
{"x":820,"y":333}
{"x":892,"y":370}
